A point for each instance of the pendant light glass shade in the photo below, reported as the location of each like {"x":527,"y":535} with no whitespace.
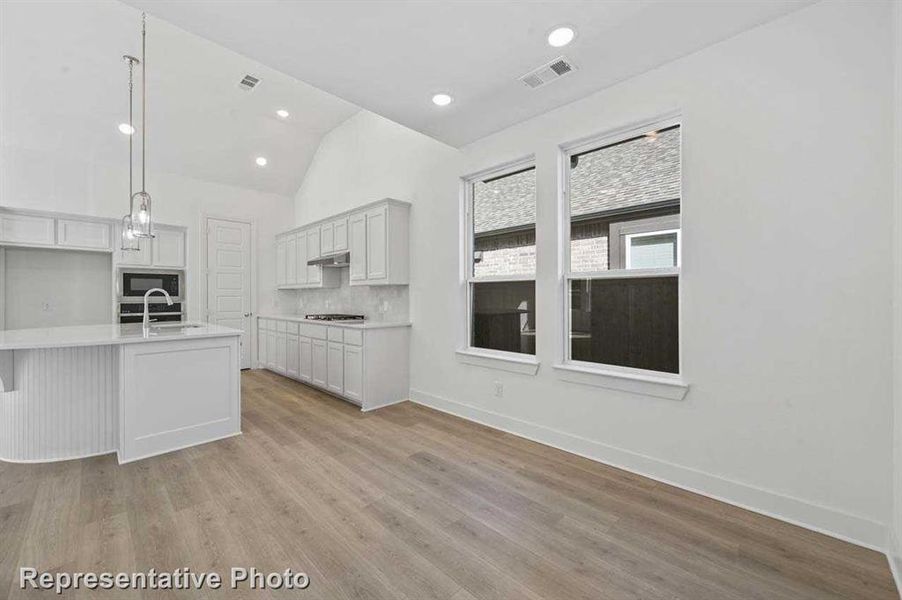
{"x":129,"y":241}
{"x":141,"y":218}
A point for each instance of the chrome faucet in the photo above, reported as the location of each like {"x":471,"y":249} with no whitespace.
{"x":146,"y":295}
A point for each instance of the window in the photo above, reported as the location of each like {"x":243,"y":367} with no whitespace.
{"x":623,"y":197}
{"x":501,"y":259}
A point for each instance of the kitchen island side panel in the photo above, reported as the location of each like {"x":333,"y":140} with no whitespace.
{"x":64,"y":404}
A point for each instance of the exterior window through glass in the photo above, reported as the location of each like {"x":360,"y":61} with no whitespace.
{"x":625,"y":216}
{"x":503,"y":262}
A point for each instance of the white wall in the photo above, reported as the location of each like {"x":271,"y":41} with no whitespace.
{"x":51,"y":288}
{"x":786,"y":279}
{"x":895,"y":553}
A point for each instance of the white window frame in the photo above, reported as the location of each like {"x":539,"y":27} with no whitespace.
{"x":631,"y":236}
{"x":498,"y":359}
{"x":641,"y":381}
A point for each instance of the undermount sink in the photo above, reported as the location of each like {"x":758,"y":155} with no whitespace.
{"x":174,"y":325}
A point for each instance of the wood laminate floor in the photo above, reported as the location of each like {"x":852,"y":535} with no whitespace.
{"x":407,"y":503}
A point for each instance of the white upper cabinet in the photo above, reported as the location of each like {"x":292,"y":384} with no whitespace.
{"x":376,"y":236}
{"x":357,"y":244}
{"x":169,"y":247}
{"x":301,"y":258}
{"x":74,"y":233}
{"x":378,"y":243}
{"x":27,"y":229}
{"x":341,"y":235}
{"x":141,"y":257}
{"x":327,"y":238}
{"x":291,"y":259}
{"x":314,"y":272}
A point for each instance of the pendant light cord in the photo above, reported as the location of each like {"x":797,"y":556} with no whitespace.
{"x":131,"y":135}
{"x":143,"y":99}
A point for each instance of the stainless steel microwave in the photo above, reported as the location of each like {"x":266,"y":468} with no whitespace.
{"x":134,"y":284}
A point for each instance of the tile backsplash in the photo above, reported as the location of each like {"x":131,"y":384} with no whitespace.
{"x":377,"y":302}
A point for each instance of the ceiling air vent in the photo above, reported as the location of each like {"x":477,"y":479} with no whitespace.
{"x":547,"y":73}
{"x":248,"y":83}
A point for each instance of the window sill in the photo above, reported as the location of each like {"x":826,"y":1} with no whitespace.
{"x":502,"y":361}
{"x":671,"y":387}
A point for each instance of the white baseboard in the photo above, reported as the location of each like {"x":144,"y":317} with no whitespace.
{"x":894,"y":556}
{"x":829,"y":521}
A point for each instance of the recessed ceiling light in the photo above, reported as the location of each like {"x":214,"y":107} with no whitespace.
{"x":261,"y":161}
{"x":282,"y":113}
{"x":126,"y":128}
{"x":561,"y":36}
{"x":442,"y":99}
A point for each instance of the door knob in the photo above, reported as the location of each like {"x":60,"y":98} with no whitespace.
{"x":248,"y":314}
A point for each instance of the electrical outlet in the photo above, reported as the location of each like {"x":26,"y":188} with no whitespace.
{"x":499,"y":389}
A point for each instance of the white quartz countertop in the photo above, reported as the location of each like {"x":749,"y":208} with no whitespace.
{"x":106,"y":335}
{"x":347,"y":324}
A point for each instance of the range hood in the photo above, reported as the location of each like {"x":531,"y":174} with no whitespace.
{"x":335,"y":261}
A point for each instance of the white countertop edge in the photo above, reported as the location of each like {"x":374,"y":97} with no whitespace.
{"x":102,"y":335}
{"x":348,"y":324}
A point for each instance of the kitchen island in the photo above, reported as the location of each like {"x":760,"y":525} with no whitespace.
{"x":72,"y":392}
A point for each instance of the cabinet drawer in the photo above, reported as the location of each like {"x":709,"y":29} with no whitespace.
{"x":336,"y":334}
{"x":317,"y":332}
{"x":291,"y":327}
{"x":354,"y":337}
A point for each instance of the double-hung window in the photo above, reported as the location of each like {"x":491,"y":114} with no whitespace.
{"x":500,"y":259}
{"x":622,"y":265}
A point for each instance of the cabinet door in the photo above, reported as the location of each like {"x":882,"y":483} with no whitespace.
{"x":169,"y":248}
{"x":305,"y":358}
{"x":376,"y":244}
{"x":140,"y":257}
{"x":281,"y":261}
{"x":291,"y":356}
{"x":281,"y":357}
{"x":262,"y":344}
{"x":272,"y":349}
{"x":301,"y":258}
{"x":83,"y":234}
{"x":319,"y":362}
{"x":327,"y":238}
{"x":357,"y":247}
{"x":353,"y":373}
{"x":336,"y":367}
{"x":291,"y":259}
{"x":26,"y":229}
{"x":314,"y":272}
{"x":341,"y":235}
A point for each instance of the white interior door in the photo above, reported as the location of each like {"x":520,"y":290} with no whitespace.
{"x":229,"y":279}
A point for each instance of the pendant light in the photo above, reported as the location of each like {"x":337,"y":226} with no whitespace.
{"x":141,"y":214}
{"x":129,"y":241}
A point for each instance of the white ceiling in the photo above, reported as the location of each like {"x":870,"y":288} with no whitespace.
{"x":63,"y":89}
{"x":391,"y":56}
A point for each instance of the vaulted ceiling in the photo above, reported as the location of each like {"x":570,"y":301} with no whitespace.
{"x":391,"y":56}
{"x":63,"y":90}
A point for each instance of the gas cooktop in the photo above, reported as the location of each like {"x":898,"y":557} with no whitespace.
{"x":334,"y":317}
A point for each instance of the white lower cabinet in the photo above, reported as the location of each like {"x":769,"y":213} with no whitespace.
{"x":305,"y":359}
{"x":367,"y":367}
{"x":353,"y":373}
{"x":319,"y":376}
{"x":291,"y":353}
{"x":336,"y":368}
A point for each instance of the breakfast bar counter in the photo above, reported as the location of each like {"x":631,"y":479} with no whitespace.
{"x":71,"y":392}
